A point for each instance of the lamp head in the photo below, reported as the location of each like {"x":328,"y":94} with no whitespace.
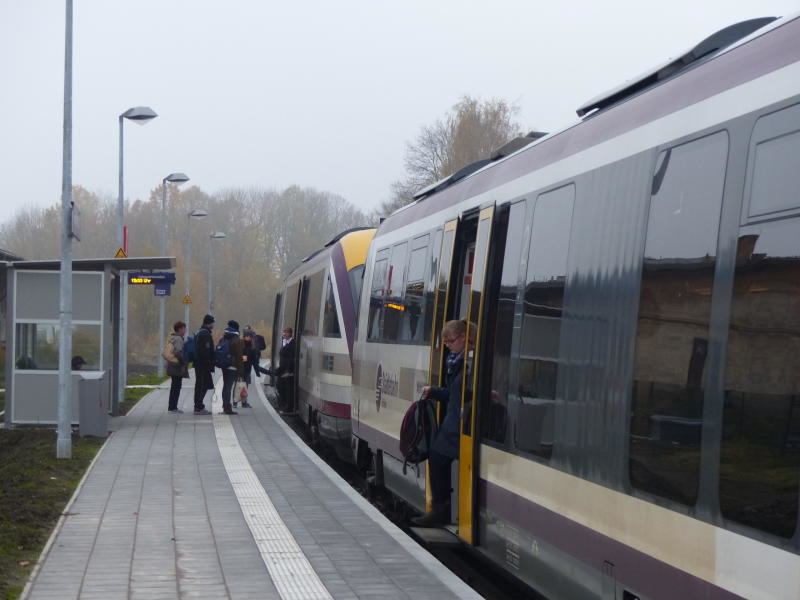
{"x":218,"y":235}
{"x":176,"y":178}
{"x":198,"y":213}
{"x":139,"y":114}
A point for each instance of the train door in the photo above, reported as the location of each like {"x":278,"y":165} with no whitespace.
{"x":275,"y":344}
{"x":308,"y":344}
{"x":476,"y":259}
{"x":459,"y":294}
{"x":286,"y":386}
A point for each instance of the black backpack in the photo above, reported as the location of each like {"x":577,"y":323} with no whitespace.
{"x":261,"y":344}
{"x":222,"y":354}
{"x":418,"y":431}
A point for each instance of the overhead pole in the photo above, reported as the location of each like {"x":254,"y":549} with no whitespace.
{"x":64,"y":434}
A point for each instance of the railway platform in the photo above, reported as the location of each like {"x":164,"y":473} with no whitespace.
{"x":184,"y":506}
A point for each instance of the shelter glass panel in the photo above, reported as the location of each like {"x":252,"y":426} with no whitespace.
{"x":674,"y":311}
{"x":37,"y":346}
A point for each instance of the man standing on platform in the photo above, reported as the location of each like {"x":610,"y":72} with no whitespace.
{"x":203,"y":365}
{"x":285,"y":371}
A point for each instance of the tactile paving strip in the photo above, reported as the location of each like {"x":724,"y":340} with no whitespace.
{"x":293,"y":575}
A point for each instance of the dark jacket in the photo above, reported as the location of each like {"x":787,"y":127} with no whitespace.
{"x":446,"y":441}
{"x":286,"y":357}
{"x":204,"y":350}
{"x":252,"y":356}
{"x":237,"y":349}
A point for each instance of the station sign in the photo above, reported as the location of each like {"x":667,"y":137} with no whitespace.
{"x":161,"y":281}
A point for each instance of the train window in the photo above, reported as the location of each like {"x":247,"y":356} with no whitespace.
{"x":541,"y":321}
{"x":313,"y":303}
{"x":376,"y":295}
{"x":674,"y":310}
{"x":330,"y":318}
{"x":774,"y":172}
{"x":430,"y":286}
{"x":393,"y":306}
{"x":356,"y":278}
{"x":290,"y":306}
{"x":503,"y":361}
{"x":413,"y":301}
{"x":760,"y":454}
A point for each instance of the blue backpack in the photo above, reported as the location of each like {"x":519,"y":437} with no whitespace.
{"x":222,"y":354}
{"x":189,"y":345}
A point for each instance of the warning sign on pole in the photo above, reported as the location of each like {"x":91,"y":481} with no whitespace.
{"x":120,"y":254}
{"x":187,"y":299}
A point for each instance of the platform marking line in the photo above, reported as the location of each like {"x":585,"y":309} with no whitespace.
{"x":292,"y":574}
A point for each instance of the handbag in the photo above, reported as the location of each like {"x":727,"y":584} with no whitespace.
{"x":243,"y":392}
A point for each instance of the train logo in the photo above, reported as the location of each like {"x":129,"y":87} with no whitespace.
{"x":385,"y":383}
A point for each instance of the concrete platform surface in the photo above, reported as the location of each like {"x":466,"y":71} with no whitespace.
{"x":184,"y":506}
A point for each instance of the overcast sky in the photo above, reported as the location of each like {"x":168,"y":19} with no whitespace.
{"x":315,"y":93}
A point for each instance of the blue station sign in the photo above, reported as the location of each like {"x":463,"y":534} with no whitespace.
{"x":161,"y":281}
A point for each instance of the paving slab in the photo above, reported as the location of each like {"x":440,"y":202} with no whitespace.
{"x":178,"y":506}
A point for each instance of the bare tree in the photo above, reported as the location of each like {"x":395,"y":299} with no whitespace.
{"x":471,"y":131}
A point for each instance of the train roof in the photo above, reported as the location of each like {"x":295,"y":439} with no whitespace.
{"x":742,"y":53}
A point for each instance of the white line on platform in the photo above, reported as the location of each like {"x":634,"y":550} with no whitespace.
{"x":293,"y":575}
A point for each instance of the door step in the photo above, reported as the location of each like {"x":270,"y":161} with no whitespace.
{"x":436,"y":536}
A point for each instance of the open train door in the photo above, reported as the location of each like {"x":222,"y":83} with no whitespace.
{"x":474,"y":288}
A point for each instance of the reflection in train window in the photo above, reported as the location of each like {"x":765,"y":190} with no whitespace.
{"x":760,"y":458}
{"x":330,"y":319}
{"x":495,"y":420}
{"x":541,"y":321}
{"x":393,"y":302}
{"x":313,"y":303}
{"x":376,"y":296}
{"x":674,"y":310}
{"x":430,"y":286}
{"x":413,"y":301}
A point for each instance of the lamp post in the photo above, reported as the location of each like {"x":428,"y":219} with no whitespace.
{"x":140,"y":115}
{"x":64,"y":431}
{"x":217,"y":235}
{"x":198,"y":214}
{"x":172,"y":178}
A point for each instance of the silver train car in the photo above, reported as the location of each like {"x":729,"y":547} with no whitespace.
{"x":631,"y":407}
{"x":318,"y":301}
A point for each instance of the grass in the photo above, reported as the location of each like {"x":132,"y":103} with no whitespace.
{"x":36,"y":487}
{"x":133,"y":395}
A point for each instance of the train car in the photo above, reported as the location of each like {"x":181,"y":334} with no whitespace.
{"x":318,"y":301}
{"x":631,"y":407}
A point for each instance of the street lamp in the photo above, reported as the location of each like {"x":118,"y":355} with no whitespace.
{"x":198,"y":214}
{"x":217,"y":235}
{"x":140,"y":115}
{"x":176,"y":178}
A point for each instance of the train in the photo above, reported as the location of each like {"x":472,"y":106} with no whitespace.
{"x":318,"y":300}
{"x":630,"y":422}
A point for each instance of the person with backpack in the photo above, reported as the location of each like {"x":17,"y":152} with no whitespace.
{"x":177,"y":369}
{"x":228,"y":357}
{"x":250,"y":357}
{"x":203,"y":364}
{"x":444,"y":449}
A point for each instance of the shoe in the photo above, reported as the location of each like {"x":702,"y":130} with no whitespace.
{"x":175,"y":410}
{"x":440,"y":515}
{"x":245,"y":405}
{"x":235,"y":403}
{"x":229,"y":412}
{"x":202,"y":412}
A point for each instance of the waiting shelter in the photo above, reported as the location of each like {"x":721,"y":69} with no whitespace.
{"x":32,"y":326}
